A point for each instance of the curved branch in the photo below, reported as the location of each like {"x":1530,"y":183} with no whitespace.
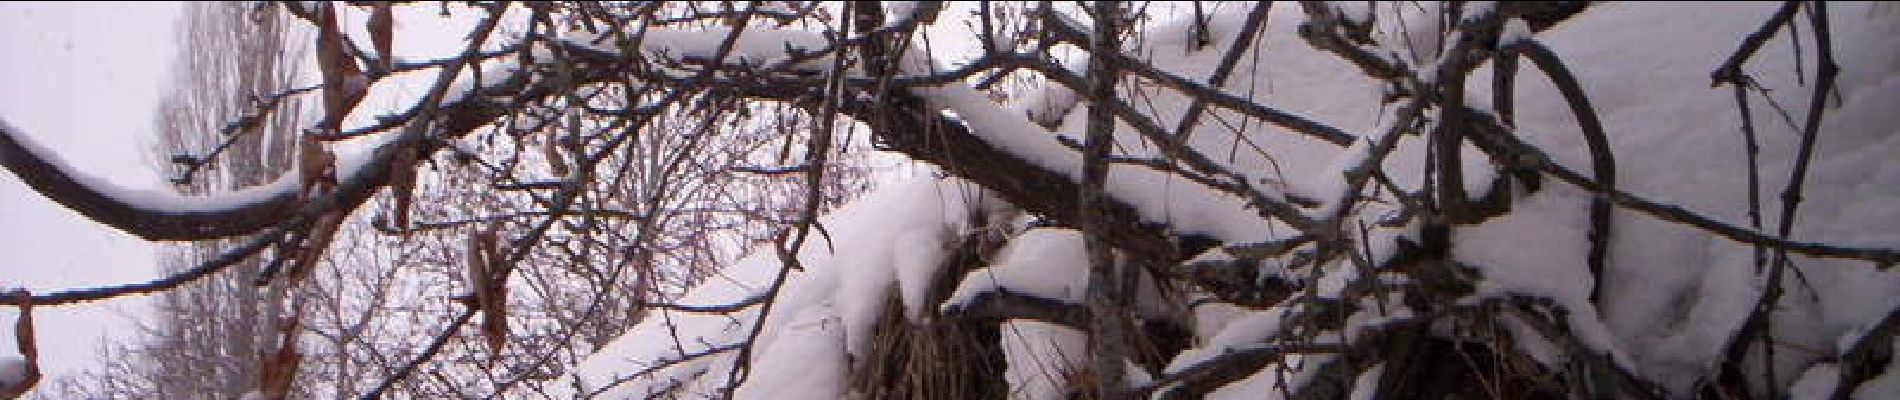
{"x":153,"y":216}
{"x":1602,"y":159}
{"x":164,"y":216}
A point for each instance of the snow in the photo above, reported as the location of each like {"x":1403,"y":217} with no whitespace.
{"x":1531,"y":343}
{"x":12,"y":370}
{"x":352,"y":157}
{"x":1041,"y":263}
{"x":784,"y":7}
{"x":1048,"y":107}
{"x":1210,"y":317}
{"x":916,"y":270}
{"x":769,"y":49}
{"x":896,"y":12}
{"x":1041,"y":357}
{"x":1357,"y":13}
{"x":1886,"y":385}
{"x":493,"y":73}
{"x":1817,"y":384}
{"x":758,"y":47}
{"x":1045,"y":263}
{"x":1248,"y":328}
{"x":824,"y":314}
{"x":1187,"y":207}
{"x":811,"y":340}
{"x":158,"y":201}
{"x":1515,"y":31}
{"x":1366,"y":386}
{"x":1672,"y":295}
{"x":1005,"y":130}
{"x":1478,"y":10}
{"x":1672,"y":321}
{"x":1269,"y":382}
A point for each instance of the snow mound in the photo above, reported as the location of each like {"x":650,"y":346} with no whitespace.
{"x":884,"y":245}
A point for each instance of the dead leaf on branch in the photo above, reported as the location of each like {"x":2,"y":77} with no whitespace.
{"x":343,"y":81}
{"x":402,"y":186}
{"x":279,"y":369}
{"x":381,"y":25}
{"x":490,"y":283}
{"x":316,"y":167}
{"x":556,"y":161}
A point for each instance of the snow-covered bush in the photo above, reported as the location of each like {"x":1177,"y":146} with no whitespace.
{"x":1219,"y":200}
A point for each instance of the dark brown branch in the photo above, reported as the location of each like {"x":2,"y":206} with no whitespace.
{"x":1532,"y":157}
{"x":1323,"y":31}
{"x":1602,"y":158}
{"x":1593,"y":366}
{"x":1232,"y":365}
{"x":1211,"y":95}
{"x":1197,"y":380}
{"x":1106,"y":299}
{"x":933,"y":138}
{"x":1858,"y":360}
{"x":250,"y":122}
{"x":1003,"y":305}
{"x":1825,"y":74}
{"x":56,"y":183}
{"x":1731,"y":70}
{"x":1759,"y":321}
{"x":60,"y":185}
{"x":229,"y":257}
{"x":1248,"y":30}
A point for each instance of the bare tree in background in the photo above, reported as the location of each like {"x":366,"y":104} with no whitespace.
{"x":228,"y":125}
{"x":680,"y":209}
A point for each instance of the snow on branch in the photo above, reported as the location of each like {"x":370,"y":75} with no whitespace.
{"x":152,"y":215}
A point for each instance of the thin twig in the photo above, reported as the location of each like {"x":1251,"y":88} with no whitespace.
{"x":428,"y":352}
{"x":1248,"y":30}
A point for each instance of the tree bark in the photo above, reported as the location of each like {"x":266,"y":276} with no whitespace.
{"x":1107,"y":296}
